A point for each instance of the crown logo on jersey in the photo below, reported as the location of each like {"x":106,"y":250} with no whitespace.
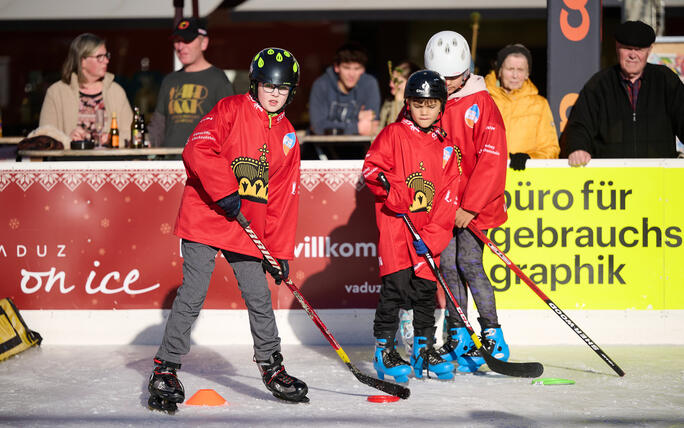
{"x":252,"y":176}
{"x":424,"y":192}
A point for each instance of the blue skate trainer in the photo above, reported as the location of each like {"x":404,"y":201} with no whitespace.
{"x":425,"y":356}
{"x":492,"y":340}
{"x":458,"y":343}
{"x":387,"y":360}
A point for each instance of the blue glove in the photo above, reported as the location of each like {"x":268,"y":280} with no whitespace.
{"x":230,"y":205}
{"x":421,"y":248}
{"x":278,"y":276}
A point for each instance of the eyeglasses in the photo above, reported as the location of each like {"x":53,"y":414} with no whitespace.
{"x":101,"y":57}
{"x":270,"y":87}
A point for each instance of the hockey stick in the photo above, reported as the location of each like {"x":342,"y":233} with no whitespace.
{"x":532,"y":369}
{"x":481,"y":236}
{"x":388,"y":387}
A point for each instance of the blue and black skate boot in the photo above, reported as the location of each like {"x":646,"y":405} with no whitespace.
{"x":281,"y":385}
{"x":492,"y":340}
{"x":387,"y":361}
{"x":458,"y":342}
{"x":425,"y":356}
{"x":164,"y":387}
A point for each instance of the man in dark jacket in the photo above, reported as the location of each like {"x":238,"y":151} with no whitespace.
{"x":345,"y":99}
{"x":630,"y":110}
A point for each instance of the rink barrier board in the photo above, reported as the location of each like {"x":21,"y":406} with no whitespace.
{"x":113,"y":246}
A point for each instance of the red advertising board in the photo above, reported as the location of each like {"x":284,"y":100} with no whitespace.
{"x":100,"y":236}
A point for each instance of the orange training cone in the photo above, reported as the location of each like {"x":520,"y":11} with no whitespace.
{"x":206,"y":397}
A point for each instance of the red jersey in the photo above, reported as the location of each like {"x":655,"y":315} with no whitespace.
{"x":424,"y":176}
{"x":473,"y":121}
{"x":239,"y":147}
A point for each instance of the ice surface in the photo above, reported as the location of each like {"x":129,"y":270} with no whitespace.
{"x":101,"y":386}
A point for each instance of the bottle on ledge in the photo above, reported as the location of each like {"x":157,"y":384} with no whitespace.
{"x":143,"y":131}
{"x":114,"y":132}
{"x":136,"y":132}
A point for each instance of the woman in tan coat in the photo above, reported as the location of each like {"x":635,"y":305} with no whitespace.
{"x":85,"y":92}
{"x":530,"y":130}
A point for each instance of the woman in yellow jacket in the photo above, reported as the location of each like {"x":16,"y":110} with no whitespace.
{"x":530,"y":130}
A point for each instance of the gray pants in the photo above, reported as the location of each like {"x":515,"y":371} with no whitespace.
{"x":461,"y":264}
{"x":198,"y":265}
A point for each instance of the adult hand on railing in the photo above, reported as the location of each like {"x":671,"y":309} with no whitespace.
{"x":579,"y":158}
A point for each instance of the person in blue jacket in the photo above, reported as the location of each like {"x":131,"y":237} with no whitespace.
{"x":345,"y":99}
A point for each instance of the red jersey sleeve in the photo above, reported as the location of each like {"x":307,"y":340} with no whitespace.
{"x":203,"y":154}
{"x":380,"y":158}
{"x":282,"y":209}
{"x":487,"y":180}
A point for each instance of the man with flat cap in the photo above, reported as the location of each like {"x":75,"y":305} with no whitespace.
{"x":188,"y":94}
{"x":630,"y":110}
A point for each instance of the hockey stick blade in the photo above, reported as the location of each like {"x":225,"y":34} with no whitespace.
{"x":590,"y":343}
{"x":382,"y":385}
{"x":531,"y":369}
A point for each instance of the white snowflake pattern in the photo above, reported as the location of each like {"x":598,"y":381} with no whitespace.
{"x":25,"y":179}
{"x":166,"y":178}
{"x":48,"y":180}
{"x":143,"y":179}
{"x":120,"y":179}
{"x":72,"y":179}
{"x":5,"y":180}
{"x":96,"y":179}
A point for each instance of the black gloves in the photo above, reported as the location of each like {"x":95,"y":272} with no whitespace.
{"x":278,"y":276}
{"x":230,"y":204}
{"x":518,"y":161}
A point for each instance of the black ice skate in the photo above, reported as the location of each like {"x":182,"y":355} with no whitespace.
{"x":165,"y":388}
{"x":281,"y":384}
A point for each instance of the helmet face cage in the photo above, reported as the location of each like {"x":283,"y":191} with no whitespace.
{"x":426,"y":84}
{"x":447,"y":53}
{"x":276,"y":66}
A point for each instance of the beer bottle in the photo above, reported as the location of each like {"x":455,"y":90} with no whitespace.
{"x":136,"y":133}
{"x":114,"y":132}
{"x":143,"y":131}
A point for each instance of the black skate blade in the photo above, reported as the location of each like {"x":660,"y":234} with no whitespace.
{"x":159,"y":404}
{"x":303,"y":400}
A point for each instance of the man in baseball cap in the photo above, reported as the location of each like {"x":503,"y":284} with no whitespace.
{"x":188,"y":94}
{"x":188,"y":29}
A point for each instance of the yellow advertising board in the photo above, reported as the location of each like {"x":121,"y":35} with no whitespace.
{"x":592,"y":238}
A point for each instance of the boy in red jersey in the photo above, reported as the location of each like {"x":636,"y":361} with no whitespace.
{"x":422,"y":168}
{"x":242,"y":157}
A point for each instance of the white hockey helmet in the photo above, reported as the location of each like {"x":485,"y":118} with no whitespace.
{"x":447,"y":53}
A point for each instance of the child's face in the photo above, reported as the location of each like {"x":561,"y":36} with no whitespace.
{"x":272,"y":97}
{"x":454,"y":83}
{"x":424,"y":111}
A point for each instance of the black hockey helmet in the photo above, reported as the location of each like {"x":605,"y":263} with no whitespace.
{"x":276,"y":66}
{"x":426,"y":84}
